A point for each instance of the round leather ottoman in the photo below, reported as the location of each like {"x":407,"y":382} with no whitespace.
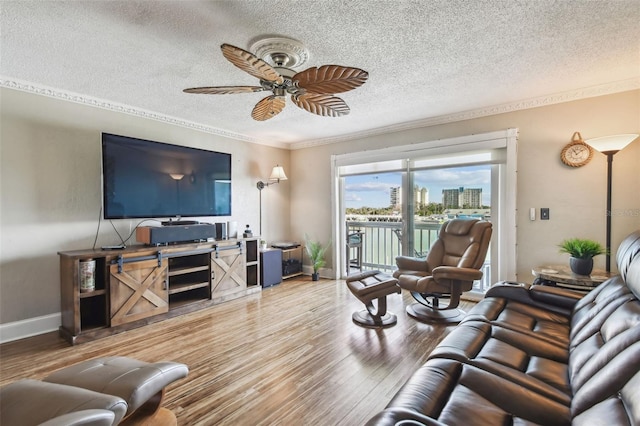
{"x":370,"y":285}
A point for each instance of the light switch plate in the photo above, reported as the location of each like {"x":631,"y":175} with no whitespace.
{"x":532,"y":213}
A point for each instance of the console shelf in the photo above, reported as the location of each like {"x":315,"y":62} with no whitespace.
{"x":176,"y":279}
{"x":93,"y":293}
{"x":179,"y":288}
{"x":187,"y":270}
{"x":292,"y":262}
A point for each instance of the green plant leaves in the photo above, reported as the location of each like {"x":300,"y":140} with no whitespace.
{"x":580,"y":248}
{"x":316,"y":253}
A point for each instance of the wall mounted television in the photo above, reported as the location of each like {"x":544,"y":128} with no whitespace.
{"x":147,"y":179}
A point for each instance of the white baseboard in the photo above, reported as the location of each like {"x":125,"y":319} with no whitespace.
{"x":30,"y":327}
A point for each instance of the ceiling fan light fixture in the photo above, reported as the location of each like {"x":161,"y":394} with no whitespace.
{"x":280,"y":59}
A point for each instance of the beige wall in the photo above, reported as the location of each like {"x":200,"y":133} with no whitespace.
{"x":576,"y":197}
{"x":50,"y":183}
{"x":50,"y":179}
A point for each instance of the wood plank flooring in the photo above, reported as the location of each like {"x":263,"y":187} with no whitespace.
{"x":289,"y":355}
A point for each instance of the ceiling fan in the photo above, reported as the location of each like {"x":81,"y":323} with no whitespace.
{"x":312,"y":89}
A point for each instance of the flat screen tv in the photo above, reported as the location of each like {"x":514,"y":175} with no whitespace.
{"x":147,"y":179}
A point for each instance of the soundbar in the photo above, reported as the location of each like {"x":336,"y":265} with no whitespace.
{"x":160,"y":235}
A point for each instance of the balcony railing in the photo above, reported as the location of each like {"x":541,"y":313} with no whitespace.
{"x":381,"y":242}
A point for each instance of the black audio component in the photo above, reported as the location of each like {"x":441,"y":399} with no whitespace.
{"x":158,"y":235}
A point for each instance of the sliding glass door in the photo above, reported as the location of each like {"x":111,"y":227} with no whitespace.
{"x":388,"y":206}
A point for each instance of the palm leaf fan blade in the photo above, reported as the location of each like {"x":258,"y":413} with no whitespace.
{"x":250,"y":63}
{"x":324,"y":105}
{"x":330,"y":79}
{"x":268,"y":108}
{"x":224,"y":90}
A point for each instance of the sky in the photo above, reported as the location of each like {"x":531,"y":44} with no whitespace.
{"x":373,"y":190}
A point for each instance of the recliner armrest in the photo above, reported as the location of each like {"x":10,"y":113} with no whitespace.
{"x":455,"y":273}
{"x":411,"y":263}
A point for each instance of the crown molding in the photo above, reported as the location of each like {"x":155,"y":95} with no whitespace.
{"x":64,"y":95}
{"x":568,"y":96}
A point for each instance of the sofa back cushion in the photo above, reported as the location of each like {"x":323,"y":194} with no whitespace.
{"x":604,"y":357}
{"x":629,"y":249}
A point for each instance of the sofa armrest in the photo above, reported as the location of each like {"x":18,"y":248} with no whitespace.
{"x":557,"y":300}
{"x":455,"y":273}
{"x":396,"y":416}
{"x":555,"y":295}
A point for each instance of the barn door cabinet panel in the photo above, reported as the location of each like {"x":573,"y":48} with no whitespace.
{"x":141,"y":285}
{"x":228,"y":273}
{"x":138,"y":288}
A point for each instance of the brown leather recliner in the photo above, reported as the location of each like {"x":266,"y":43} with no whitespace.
{"x":452,"y":264}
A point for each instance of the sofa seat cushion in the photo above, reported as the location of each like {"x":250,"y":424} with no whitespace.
{"x":522,"y":317}
{"x":538,"y":365}
{"x":449,"y":392}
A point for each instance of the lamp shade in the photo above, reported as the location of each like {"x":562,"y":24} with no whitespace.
{"x":278,"y":174}
{"x":612,"y":143}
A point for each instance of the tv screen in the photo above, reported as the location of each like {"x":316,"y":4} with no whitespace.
{"x":146,"y":179}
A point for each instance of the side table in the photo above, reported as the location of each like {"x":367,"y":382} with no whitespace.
{"x":562,"y":276}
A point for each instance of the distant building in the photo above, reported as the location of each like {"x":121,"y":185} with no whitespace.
{"x":395,"y":195}
{"x":420,"y":196}
{"x":472,"y":198}
{"x":462,"y":197}
{"x":450,"y":198}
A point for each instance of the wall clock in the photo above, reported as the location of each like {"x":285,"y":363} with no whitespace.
{"x":576,"y":153}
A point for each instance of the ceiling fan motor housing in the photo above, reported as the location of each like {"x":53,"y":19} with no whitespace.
{"x":281,"y":52}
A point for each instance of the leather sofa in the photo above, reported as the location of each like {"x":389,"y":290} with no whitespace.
{"x":541,"y":355}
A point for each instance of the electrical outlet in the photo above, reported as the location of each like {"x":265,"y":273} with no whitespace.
{"x":544,"y":213}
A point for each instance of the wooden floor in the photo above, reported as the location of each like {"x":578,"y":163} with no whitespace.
{"x":288,"y":355}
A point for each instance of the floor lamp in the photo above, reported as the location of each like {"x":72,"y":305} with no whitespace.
{"x":277,"y":174}
{"x":609,"y":146}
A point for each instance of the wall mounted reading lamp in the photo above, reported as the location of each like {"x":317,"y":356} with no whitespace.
{"x":277,"y":174}
{"x":609,"y":146}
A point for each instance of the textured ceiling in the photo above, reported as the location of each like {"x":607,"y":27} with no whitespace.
{"x":428,"y":61}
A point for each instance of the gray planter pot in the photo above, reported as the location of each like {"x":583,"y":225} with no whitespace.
{"x":581,"y":266}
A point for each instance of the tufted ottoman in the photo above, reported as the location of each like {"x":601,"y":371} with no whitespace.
{"x":140,"y":384}
{"x":370,"y":285}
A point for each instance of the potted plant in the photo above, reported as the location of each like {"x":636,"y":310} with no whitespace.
{"x":582,"y":252}
{"x":316,"y":253}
